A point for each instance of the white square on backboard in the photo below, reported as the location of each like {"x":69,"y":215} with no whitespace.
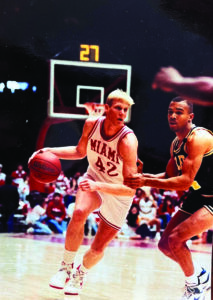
{"x":88,"y":87}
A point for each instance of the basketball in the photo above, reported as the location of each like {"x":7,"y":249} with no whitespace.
{"x":45,"y":167}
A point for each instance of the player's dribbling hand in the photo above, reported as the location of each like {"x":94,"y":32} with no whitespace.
{"x":88,"y":185}
{"x":165,"y":78}
{"x":135,"y":181}
{"x":36,"y":152}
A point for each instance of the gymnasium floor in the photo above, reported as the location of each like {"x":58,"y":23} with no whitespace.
{"x":130,"y":270}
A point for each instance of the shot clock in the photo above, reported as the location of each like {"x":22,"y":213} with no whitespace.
{"x":89,"y":52}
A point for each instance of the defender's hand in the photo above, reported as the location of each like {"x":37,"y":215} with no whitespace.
{"x":135,"y":181}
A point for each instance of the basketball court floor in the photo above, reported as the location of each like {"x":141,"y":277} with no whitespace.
{"x":130,"y":270}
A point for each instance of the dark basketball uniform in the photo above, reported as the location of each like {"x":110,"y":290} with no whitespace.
{"x":201,"y":190}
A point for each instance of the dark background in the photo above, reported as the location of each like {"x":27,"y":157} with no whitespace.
{"x":144,"y":34}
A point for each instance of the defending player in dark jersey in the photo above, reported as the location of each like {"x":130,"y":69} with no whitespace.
{"x":190,"y":167}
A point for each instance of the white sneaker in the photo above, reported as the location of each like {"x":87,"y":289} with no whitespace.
{"x":197,"y":291}
{"x":75,"y":284}
{"x":157,"y":236}
{"x":59,"y":280}
{"x":30,"y":230}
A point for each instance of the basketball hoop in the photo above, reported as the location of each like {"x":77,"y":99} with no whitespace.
{"x":94,"y":109}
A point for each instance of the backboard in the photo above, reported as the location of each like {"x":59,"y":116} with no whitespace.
{"x":72,"y":84}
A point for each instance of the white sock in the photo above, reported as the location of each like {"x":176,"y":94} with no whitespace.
{"x":83,"y":268}
{"x":193,"y":277}
{"x":69,"y":257}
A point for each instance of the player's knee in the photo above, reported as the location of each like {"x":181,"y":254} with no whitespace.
{"x":79,"y":216}
{"x":174,"y":242}
{"x":163,"y":246}
{"x":97,"y":251}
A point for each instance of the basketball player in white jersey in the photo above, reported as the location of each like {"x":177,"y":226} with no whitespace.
{"x":111,"y":150}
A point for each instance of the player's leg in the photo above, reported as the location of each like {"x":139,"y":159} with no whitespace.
{"x":95,"y":253}
{"x":113,"y":212}
{"x":85,"y":203}
{"x":163,"y":244}
{"x":104,"y":236}
{"x":197,"y":278}
{"x":198,"y":222}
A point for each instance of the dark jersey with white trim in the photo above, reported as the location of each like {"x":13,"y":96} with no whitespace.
{"x":204,"y":177}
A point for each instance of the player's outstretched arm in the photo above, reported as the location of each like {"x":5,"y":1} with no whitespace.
{"x":199,"y":90}
{"x":71,"y":152}
{"x":196,"y":147}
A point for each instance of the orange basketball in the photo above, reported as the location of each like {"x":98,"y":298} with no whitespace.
{"x":45,"y":167}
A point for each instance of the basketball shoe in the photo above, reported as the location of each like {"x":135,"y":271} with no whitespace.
{"x":75,"y":284}
{"x":197,"y":291}
{"x":59,"y":280}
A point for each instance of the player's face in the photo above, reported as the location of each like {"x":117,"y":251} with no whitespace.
{"x":57,"y":199}
{"x":179,"y":117}
{"x":20,"y":167}
{"x":117,"y":112}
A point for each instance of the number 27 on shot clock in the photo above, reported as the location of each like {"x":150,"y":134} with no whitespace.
{"x":89,"y":52}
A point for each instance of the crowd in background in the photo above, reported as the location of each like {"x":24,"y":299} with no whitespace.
{"x":33,"y":212}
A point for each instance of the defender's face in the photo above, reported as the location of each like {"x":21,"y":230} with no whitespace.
{"x":179,"y":116}
{"x":117,"y":112}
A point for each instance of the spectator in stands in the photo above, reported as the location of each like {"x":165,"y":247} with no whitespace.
{"x":62,"y":183}
{"x":49,"y":188}
{"x":132,"y":217}
{"x":165,"y":210}
{"x":138,"y":195}
{"x":157,"y":196}
{"x":24,"y":189}
{"x":69,"y":198}
{"x":129,"y":228}
{"x":91,"y":225}
{"x":2,"y":176}
{"x":19,"y":175}
{"x":9,"y":202}
{"x":74,"y":182}
{"x":56,"y":214}
{"x":148,"y":216}
{"x":36,"y":217}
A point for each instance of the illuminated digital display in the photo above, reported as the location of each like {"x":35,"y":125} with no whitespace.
{"x":89,"y":53}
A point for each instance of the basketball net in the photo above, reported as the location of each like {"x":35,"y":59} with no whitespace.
{"x":94,"y":109}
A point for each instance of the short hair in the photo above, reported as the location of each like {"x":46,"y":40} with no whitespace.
{"x":119,"y":94}
{"x":180,"y":99}
{"x":56,"y":194}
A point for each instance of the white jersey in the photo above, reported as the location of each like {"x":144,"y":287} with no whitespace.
{"x":146,"y":206}
{"x":105,"y":162}
{"x":146,"y":211}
